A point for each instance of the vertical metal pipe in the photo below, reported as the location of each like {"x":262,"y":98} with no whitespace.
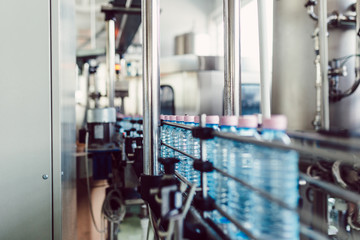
{"x":323,"y":40}
{"x":265,"y":59}
{"x":357,"y":61}
{"x":203,"y":157}
{"x":150,"y":13}
{"x":92,"y":25}
{"x":110,"y":59}
{"x":232,"y":57}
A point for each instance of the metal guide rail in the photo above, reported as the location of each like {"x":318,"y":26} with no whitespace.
{"x":317,"y":152}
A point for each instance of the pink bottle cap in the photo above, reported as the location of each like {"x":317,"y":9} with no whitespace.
{"x":167,"y":118}
{"x":212,"y":119}
{"x":172,"y":118}
{"x":189,"y":119}
{"x":120,"y":115}
{"x":162,"y":117}
{"x":196,"y":119}
{"x":276,"y":122}
{"x":248,"y":121}
{"x":179,"y":118}
{"x":229,"y":121}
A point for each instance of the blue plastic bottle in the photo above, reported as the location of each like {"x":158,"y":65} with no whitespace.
{"x":188,"y":147}
{"x":170,"y":137}
{"x":211,"y":151}
{"x":195,"y":151}
{"x":241,"y":166}
{"x":224,"y":154}
{"x":276,"y":172}
{"x":179,"y":136}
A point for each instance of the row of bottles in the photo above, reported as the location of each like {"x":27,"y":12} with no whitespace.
{"x":272,"y":170}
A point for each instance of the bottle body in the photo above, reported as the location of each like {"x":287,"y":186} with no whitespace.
{"x":240,"y":198}
{"x":211,"y":151}
{"x":195,"y":151}
{"x":188,"y":147}
{"x":276,"y":172}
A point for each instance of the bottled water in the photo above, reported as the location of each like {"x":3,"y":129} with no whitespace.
{"x":195,"y":151}
{"x":170,"y":137}
{"x":211,"y":148}
{"x":276,"y":172}
{"x":241,"y":165}
{"x":224,"y":153}
{"x":162,"y":136}
{"x":179,"y":136}
{"x":188,"y":147}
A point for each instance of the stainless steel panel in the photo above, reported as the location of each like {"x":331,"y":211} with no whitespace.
{"x":63,"y":119}
{"x":25,"y":125}
{"x":294,"y":72}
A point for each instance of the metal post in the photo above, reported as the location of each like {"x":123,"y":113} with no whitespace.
{"x":232,"y":57}
{"x":265,"y":60}
{"x":323,"y":32}
{"x":203,"y":158}
{"x":150,"y":13}
{"x":357,"y":61}
{"x":110,"y":59}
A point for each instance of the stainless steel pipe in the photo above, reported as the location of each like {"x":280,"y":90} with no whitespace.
{"x":357,"y":50}
{"x":110,"y":60}
{"x":150,"y":14}
{"x":324,"y":59}
{"x":232,"y":57}
{"x":265,"y":60}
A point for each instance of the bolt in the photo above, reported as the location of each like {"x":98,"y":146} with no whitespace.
{"x":45,"y":176}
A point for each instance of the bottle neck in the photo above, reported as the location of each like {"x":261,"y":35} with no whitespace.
{"x":213,"y":126}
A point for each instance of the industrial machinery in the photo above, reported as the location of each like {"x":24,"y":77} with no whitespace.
{"x":318,"y":100}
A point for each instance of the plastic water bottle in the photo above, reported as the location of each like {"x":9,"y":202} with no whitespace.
{"x":211,"y":149}
{"x":178,"y":142}
{"x":188,"y":146}
{"x":195,"y":151}
{"x":241,"y":166}
{"x":224,"y":154}
{"x":276,"y":172}
{"x":162,"y":136}
{"x":170,"y":137}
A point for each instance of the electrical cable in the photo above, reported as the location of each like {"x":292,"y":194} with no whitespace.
{"x":353,"y":88}
{"x":88,"y":183}
{"x":113,"y":197}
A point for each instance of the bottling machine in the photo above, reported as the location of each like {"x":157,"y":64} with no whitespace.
{"x":312,"y":79}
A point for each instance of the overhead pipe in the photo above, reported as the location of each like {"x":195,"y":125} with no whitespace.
{"x":265,"y":60}
{"x":150,"y":14}
{"x":324,"y":59}
{"x":232,"y":57}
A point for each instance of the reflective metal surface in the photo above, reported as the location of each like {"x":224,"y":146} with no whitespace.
{"x":232,"y":57}
{"x":101,"y":115}
{"x":151,"y":83}
{"x":265,"y":64}
{"x":25,"y":125}
{"x":63,"y":119}
{"x":294,"y":72}
{"x":324,"y":59}
{"x":110,"y":60}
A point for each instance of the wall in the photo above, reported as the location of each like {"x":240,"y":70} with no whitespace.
{"x":178,"y":17}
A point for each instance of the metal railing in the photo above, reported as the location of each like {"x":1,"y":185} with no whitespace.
{"x":323,"y":154}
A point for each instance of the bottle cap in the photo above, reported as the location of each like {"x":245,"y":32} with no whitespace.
{"x":212,"y":119}
{"x":248,"y":121}
{"x":172,"y":118}
{"x":179,"y":118}
{"x":229,"y":121}
{"x":189,"y":119}
{"x":196,"y":119}
{"x":167,"y":118}
{"x":162,"y":117}
{"x":276,"y":122}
